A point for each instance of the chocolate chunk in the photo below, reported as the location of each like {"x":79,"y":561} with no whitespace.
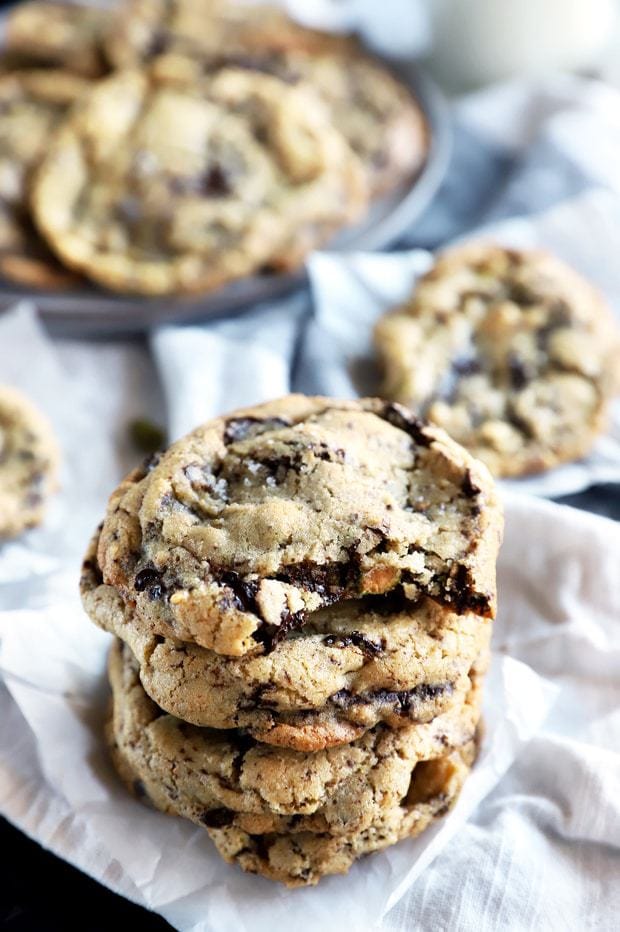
{"x":457,"y":591}
{"x":519,"y":375}
{"x":399,"y":416}
{"x":243,"y":590}
{"x":217,"y":818}
{"x":271,"y":635}
{"x":469,"y":487}
{"x":369,"y":648}
{"x":149,"y":580}
{"x":403,"y":701}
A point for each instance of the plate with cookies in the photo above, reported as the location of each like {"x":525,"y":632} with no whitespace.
{"x":163,"y":161}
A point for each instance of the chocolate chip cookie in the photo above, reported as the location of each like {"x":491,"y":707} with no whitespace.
{"x":63,"y":35}
{"x":32,"y":104}
{"x":157,"y":184}
{"x":239,"y":531}
{"x":28,"y":463}
{"x":345,"y":801}
{"x":353,"y":665}
{"x":511,"y":352}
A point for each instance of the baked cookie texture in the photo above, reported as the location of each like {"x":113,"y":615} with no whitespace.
{"x":157,"y":184}
{"x":29,"y":459}
{"x":32,"y":104}
{"x":352,"y":666}
{"x":62,"y":35}
{"x":510,"y":351}
{"x":289,"y":815}
{"x":301,"y":595}
{"x":241,"y":529}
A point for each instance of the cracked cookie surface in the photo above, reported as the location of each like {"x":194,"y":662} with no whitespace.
{"x":511,"y":352}
{"x":159,"y":184}
{"x":241,"y":529}
{"x":32,"y":104}
{"x":350,"y":800}
{"x":28,"y":463}
{"x":352,"y":666}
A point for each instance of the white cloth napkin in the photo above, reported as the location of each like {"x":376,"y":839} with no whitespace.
{"x":540,"y":815}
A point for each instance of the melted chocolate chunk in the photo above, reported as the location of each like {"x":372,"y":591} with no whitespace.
{"x":149,"y":580}
{"x":271,"y":635}
{"x":328,"y":579}
{"x":244,"y":591}
{"x":240,"y":428}
{"x":217,"y":818}
{"x":469,"y":487}
{"x":403,"y":701}
{"x":369,"y":648}
{"x":457,"y":592}
{"x":399,"y":416}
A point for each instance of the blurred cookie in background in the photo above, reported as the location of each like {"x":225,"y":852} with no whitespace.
{"x":32,"y":103}
{"x":511,"y":352}
{"x":207,"y":30}
{"x":158,"y":183}
{"x":64,"y":35}
{"x":28,"y":463}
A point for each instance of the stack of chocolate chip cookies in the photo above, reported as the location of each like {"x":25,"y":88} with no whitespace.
{"x":301,"y":595}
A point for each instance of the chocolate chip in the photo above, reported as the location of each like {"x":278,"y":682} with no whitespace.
{"x":519,"y":375}
{"x":369,"y":648}
{"x":217,"y":818}
{"x":403,"y":701}
{"x":149,"y":580}
{"x":469,"y":487}
{"x":399,"y":416}
{"x":457,"y":591}
{"x":466,"y":365}
{"x":244,"y":590}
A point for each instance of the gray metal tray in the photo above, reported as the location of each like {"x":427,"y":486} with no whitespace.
{"x":91,"y":311}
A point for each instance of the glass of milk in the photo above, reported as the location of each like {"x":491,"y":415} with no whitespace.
{"x":477,"y":42}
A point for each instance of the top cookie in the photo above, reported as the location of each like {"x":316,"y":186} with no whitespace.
{"x":66,"y":35}
{"x":512,"y":352}
{"x":159,"y":184}
{"x":252,"y":521}
{"x":28,"y":463}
